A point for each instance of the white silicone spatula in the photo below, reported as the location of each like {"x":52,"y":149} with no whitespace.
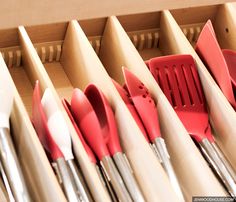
{"x":8,"y":156}
{"x":61,"y":136}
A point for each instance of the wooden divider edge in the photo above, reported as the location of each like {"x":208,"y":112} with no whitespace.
{"x":35,"y":70}
{"x":225,"y":26}
{"x":80,"y":61}
{"x":222,"y":115}
{"x":38,"y":173}
{"x":193,"y":173}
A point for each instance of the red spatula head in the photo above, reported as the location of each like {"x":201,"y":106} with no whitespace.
{"x":86,"y":147}
{"x":39,"y":121}
{"x":178,"y":79}
{"x":88,"y":123}
{"x":129,"y":104}
{"x":105,"y":116}
{"x":210,"y":52}
{"x":143,"y":103}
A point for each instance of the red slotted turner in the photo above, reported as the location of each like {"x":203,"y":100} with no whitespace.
{"x":178,"y":78}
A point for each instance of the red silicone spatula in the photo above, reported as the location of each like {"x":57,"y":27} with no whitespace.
{"x":107,"y":122}
{"x":178,"y":78}
{"x":209,"y":50}
{"x":89,"y":125}
{"x":147,"y":111}
{"x":39,"y":120}
{"x":86,"y":147}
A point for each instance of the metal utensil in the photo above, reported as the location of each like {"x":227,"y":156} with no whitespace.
{"x":39,"y":121}
{"x":147,"y":110}
{"x":88,"y":122}
{"x":8,"y":155}
{"x":86,"y":146}
{"x":61,"y":135}
{"x":108,"y":124}
{"x":178,"y":78}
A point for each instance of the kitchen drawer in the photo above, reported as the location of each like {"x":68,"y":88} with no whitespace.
{"x":72,"y":54}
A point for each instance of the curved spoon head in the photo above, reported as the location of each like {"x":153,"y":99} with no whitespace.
{"x":39,"y":121}
{"x":86,"y":147}
{"x":88,"y":123}
{"x":144,"y":104}
{"x":105,"y":116}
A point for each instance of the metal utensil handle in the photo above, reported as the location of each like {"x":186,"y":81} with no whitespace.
{"x":165,"y":161}
{"x":218,"y":166}
{"x":115,"y":178}
{"x":12,"y":168}
{"x":128,"y":177}
{"x":6,"y":183}
{"x":82,"y":188}
{"x":225,"y":161}
{"x":68,"y":183}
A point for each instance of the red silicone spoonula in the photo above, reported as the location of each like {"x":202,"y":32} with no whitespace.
{"x":107,"y":122}
{"x":147,"y":111}
{"x":67,"y":107}
{"x":89,"y":124}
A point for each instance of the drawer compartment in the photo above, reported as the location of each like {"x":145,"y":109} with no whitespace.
{"x":119,"y":47}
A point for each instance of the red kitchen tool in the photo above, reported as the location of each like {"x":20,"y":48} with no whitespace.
{"x":89,"y":124}
{"x":147,"y":111}
{"x":108,"y":125}
{"x":209,"y":50}
{"x":39,"y":121}
{"x":86,"y":147}
{"x":129,"y":104}
{"x":230,"y":58}
{"x":178,"y":78}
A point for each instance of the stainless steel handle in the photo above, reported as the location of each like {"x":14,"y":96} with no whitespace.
{"x":115,"y":178}
{"x":128,"y":177}
{"x":225,"y":161}
{"x":67,"y":181}
{"x":215,"y":160}
{"x":7,"y":185}
{"x":82,"y":189}
{"x":12,"y":168}
{"x":163,"y":154}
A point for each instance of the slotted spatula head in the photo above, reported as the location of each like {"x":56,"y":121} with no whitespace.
{"x":144,"y":104}
{"x":178,"y":79}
